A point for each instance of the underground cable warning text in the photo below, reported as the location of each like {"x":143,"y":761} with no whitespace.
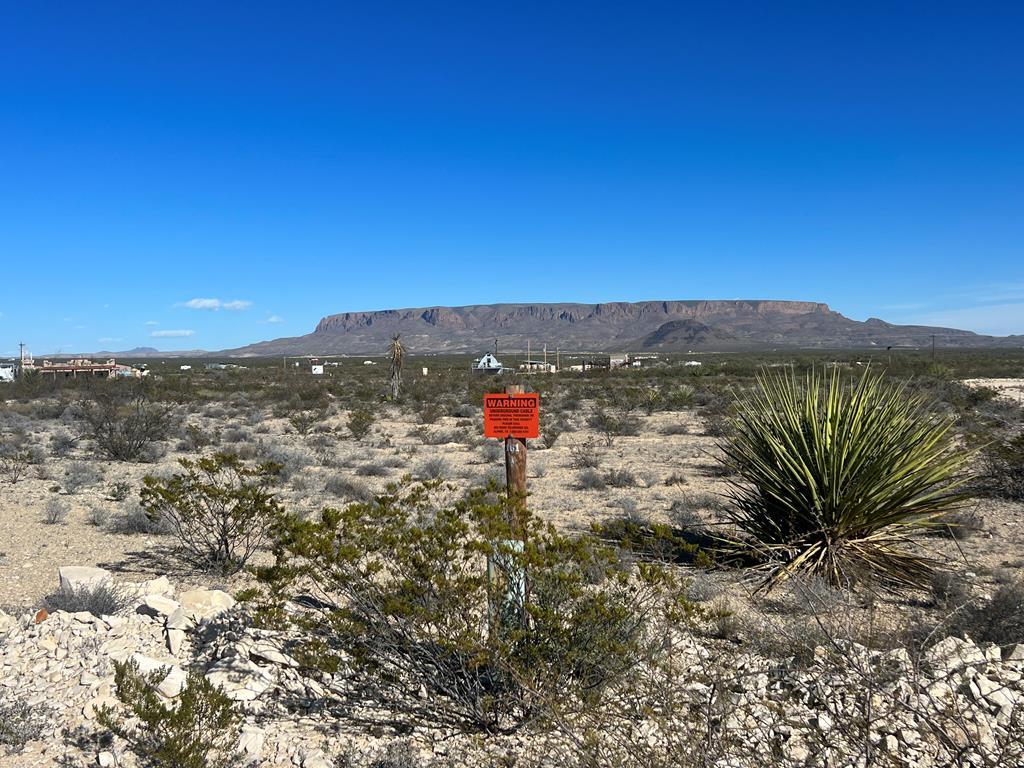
{"x":508,"y":415}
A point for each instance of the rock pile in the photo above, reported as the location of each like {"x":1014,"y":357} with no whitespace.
{"x":957,"y":704}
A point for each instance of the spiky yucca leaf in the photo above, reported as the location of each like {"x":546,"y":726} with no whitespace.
{"x":834,"y":475}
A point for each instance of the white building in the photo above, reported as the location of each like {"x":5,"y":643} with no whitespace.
{"x":487,"y":364}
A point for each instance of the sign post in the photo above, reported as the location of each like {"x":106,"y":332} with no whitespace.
{"x":514,"y":417}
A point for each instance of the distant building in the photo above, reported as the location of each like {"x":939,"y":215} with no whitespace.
{"x":81,"y":366}
{"x":7,"y":371}
{"x":487,"y":364}
{"x":316,"y":366}
{"x":185,"y":368}
{"x":692,"y":363}
{"x":537,"y":366}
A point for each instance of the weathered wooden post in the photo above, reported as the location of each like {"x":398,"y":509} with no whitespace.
{"x":513,"y":417}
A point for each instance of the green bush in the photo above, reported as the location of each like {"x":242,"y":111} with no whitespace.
{"x":220,"y":509}
{"x":360,"y":421}
{"x":200,"y":730}
{"x":493,"y":615}
{"x":833,"y":477}
{"x":124,"y":424}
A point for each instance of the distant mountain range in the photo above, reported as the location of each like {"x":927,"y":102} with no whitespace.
{"x":664,"y":326}
{"x":660,"y":326}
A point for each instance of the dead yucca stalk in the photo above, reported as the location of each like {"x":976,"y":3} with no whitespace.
{"x":833,"y":476}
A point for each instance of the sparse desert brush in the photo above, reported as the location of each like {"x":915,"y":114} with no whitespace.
{"x":584,"y":455}
{"x":56,"y":512}
{"x":360,"y":422}
{"x":1003,"y":468}
{"x":102,"y":599}
{"x":833,"y":476}
{"x":346,"y":488}
{"x":123,"y":421}
{"x":80,"y":475}
{"x":553,"y":626}
{"x":198,"y":730}
{"x":591,"y":480}
{"x":433,"y":469}
{"x":219,"y":508}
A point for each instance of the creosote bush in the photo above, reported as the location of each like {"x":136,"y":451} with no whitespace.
{"x":199,"y":730}
{"x":832,"y":477}
{"x":124,"y":424}
{"x":410,"y":603}
{"x":360,"y":422}
{"x":219,"y":508}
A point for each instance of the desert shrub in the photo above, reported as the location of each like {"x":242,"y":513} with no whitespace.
{"x":120,"y":490}
{"x":591,"y":480}
{"x":134,"y":519}
{"x":679,"y":398}
{"x":1003,"y":468}
{"x":949,"y":590}
{"x":235,"y":435}
{"x":584,"y":455}
{"x":346,"y":488}
{"x":360,"y":421}
{"x":613,"y":425}
{"x":372,"y":470}
{"x":199,"y":730}
{"x":551,"y":432}
{"x":124,"y":424}
{"x":677,"y":428}
{"x":959,"y":524}
{"x":833,"y":477}
{"x":56,"y":512}
{"x":21,"y":722}
{"x":14,"y":465}
{"x":103,"y":599}
{"x":429,"y":411}
{"x":999,"y":620}
{"x":555,"y":626}
{"x":676,"y":478}
{"x":97,"y":516}
{"x":492,"y":452}
{"x":685,"y":517}
{"x":396,"y":755}
{"x":80,"y":475}
{"x":433,"y":469}
{"x":61,"y":444}
{"x":198,"y":438}
{"x":219,"y":508}
{"x":620,"y":478}
{"x":305,"y":420}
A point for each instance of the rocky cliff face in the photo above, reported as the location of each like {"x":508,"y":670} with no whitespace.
{"x":670,"y":326}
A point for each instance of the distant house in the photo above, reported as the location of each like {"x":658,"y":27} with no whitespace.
{"x":487,"y":364}
{"x":537,"y":366}
{"x":316,"y":366}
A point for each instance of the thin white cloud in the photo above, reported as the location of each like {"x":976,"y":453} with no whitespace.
{"x":171,"y":334}
{"x":216,"y":304}
{"x":275,"y":319}
{"x":151,"y":322}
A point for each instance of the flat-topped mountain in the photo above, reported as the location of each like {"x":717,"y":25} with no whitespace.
{"x":670,"y":326}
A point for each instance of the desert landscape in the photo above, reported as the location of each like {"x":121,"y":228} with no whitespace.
{"x":631,"y":459}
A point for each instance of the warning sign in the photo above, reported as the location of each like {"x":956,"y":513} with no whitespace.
{"x":512,"y":415}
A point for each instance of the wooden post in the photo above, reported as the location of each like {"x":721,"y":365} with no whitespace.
{"x":515,"y":487}
{"x":515,"y":458}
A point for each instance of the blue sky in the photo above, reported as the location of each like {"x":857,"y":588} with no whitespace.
{"x":203,"y":175}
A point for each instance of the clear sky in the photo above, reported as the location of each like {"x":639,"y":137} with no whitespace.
{"x":203,"y":175}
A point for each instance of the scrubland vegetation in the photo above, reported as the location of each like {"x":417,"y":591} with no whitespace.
{"x":813,"y":514}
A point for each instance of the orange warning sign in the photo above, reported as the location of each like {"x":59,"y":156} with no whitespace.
{"x":512,"y":415}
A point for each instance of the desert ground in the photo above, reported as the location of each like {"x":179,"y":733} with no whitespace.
{"x":74,"y":507}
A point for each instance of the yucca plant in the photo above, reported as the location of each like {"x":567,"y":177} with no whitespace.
{"x":396,"y":351}
{"x":833,"y":475}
